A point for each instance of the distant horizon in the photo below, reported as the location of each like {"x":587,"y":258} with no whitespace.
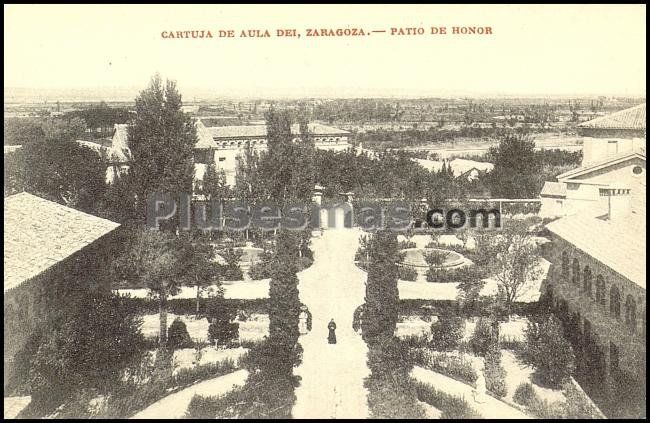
{"x":128,"y":94}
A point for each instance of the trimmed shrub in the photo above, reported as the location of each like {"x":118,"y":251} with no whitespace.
{"x":452,"y":407}
{"x":219,"y":314}
{"x":455,"y":367}
{"x":482,"y":337}
{"x":524,"y":394}
{"x":461,"y":274}
{"x":178,"y":336}
{"x":407,"y":273}
{"x":548,"y":351}
{"x":495,"y":374}
{"x":446,"y":333}
{"x":222,"y":333}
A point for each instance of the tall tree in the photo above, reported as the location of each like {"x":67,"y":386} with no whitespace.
{"x":283,"y":291}
{"x":516,"y":262}
{"x":56,"y":167}
{"x":288,"y":166}
{"x":163,"y":262}
{"x":515,"y":168}
{"x":382,"y":296}
{"x":161,"y":140}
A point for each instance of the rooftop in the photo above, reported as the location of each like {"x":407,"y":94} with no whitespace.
{"x":632,"y":118}
{"x":259,"y":131}
{"x":617,"y":158}
{"x":553,"y":189}
{"x":39,"y":233}
{"x":619,"y":245}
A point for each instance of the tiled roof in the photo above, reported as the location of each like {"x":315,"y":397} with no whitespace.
{"x":619,"y":245}
{"x":204,"y":135}
{"x":553,"y":189}
{"x":39,"y":233}
{"x":259,"y":131}
{"x":632,"y":118}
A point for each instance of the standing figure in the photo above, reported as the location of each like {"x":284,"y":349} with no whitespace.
{"x":303,"y":319}
{"x":331,"y":338}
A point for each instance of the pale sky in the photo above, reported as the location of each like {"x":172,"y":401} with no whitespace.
{"x":534,"y":50}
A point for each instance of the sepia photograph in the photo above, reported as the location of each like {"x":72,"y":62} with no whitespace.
{"x":374,"y":211}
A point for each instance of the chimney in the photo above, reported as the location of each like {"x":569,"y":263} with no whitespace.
{"x":619,"y":202}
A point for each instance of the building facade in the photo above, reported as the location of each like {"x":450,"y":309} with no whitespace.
{"x":596,"y":286}
{"x":613,"y":152}
{"x":222,"y":145}
{"x":53,"y":254}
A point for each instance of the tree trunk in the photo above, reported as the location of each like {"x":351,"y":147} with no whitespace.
{"x":198,"y":297}
{"x":162,"y":307}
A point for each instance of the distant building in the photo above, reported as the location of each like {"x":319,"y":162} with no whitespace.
{"x":116,"y":152}
{"x":47,"y":244}
{"x":607,"y":158}
{"x":222,"y":144}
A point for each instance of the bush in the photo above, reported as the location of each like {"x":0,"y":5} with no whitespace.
{"x":482,"y":337}
{"x":391,"y":393}
{"x":452,"y":407}
{"x":461,"y":274}
{"x":406,"y":244}
{"x":446,"y":333}
{"x":455,"y":367}
{"x":407,"y":273}
{"x":231,"y":270}
{"x":201,"y":407}
{"x":435,"y":258}
{"x":495,"y":374}
{"x":177,"y":335}
{"x":524,"y":394}
{"x":221,"y":332}
{"x":220,"y":313}
{"x":548,"y":351}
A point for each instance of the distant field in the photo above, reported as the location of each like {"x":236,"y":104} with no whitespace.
{"x":480,"y":147}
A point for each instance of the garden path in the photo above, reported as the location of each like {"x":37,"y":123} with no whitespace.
{"x":332,"y":375}
{"x":489,"y":407}
{"x":175,"y":405}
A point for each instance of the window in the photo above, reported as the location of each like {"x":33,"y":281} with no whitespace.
{"x":600,"y":290}
{"x":575,"y":272}
{"x":615,"y":301}
{"x":565,"y":263}
{"x":630,"y":312}
{"x":586,"y":277}
{"x":222,"y":159}
{"x":637,"y":170}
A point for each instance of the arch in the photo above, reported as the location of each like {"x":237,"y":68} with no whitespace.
{"x":586,"y":278}
{"x":565,"y":263}
{"x":630,"y":312}
{"x":575,"y":272}
{"x":600,"y":290}
{"x":615,"y":301}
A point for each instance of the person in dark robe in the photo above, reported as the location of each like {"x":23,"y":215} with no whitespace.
{"x":331,"y":338}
